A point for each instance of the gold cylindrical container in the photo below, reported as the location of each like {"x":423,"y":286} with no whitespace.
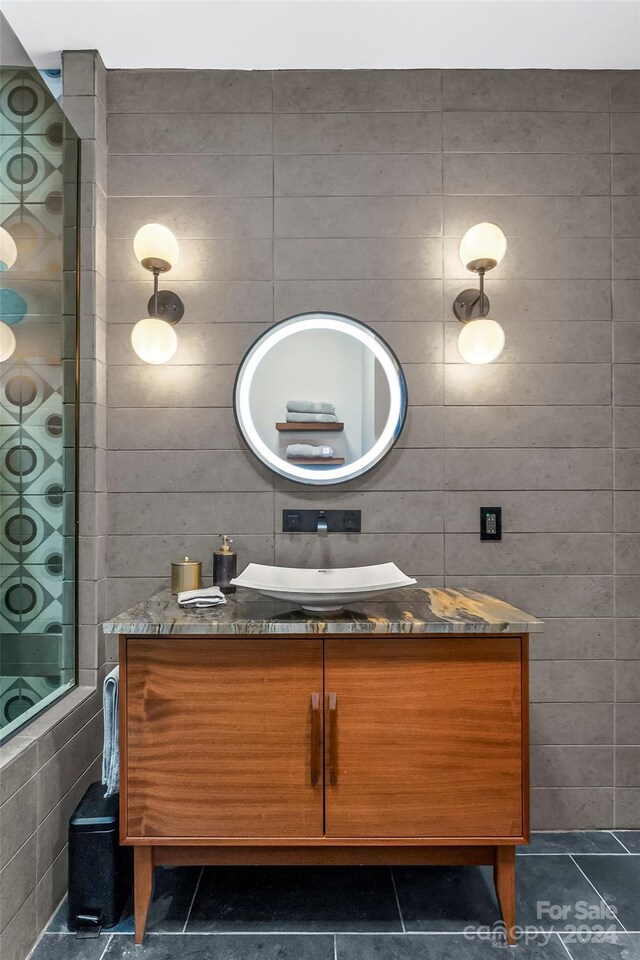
{"x":186,"y":575}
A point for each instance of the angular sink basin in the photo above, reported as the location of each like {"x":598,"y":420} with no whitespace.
{"x":322,"y":591}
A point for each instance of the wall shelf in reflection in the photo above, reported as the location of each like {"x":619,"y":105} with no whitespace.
{"x":316,"y":461}
{"x":305,"y":427}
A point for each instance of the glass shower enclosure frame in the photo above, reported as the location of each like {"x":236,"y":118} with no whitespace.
{"x":39,"y":376}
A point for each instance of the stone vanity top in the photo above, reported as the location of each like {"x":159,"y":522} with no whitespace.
{"x":429,"y":610}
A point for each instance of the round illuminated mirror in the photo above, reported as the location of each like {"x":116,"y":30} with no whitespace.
{"x":320,"y":398}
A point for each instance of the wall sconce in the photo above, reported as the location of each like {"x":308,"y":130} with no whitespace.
{"x":481,"y":339}
{"x":154,"y":339}
{"x":8,"y":256}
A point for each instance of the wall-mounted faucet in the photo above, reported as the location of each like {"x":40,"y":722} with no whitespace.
{"x":321,"y":522}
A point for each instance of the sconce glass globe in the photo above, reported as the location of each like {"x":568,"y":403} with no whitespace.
{"x":8,"y":250}
{"x":7,"y":341}
{"x":481,"y":341}
{"x":483,"y":247}
{"x":156,"y":247}
{"x":154,"y":340}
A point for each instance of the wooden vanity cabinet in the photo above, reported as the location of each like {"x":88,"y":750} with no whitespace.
{"x":308,"y":750}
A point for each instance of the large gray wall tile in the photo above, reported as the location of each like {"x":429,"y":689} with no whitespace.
{"x":545,"y":259}
{"x":541,"y":173}
{"x":625,"y":175}
{"x":532,"y":511}
{"x":358,"y":217}
{"x":319,"y":133}
{"x":511,"y":132}
{"x":571,"y":808}
{"x":189,"y":91}
{"x":530,"y":216}
{"x":208,"y":133}
{"x":531,"y":554}
{"x":560,"y":300}
{"x":187,"y":217}
{"x":628,"y":639}
{"x":625,"y":214}
{"x":214,"y":470}
{"x":522,"y":426}
{"x":309,"y":91}
{"x":559,"y":722}
{"x":579,"y":639}
{"x":525,"y":90}
{"x":206,"y":301}
{"x":537,"y":384}
{"x":625,"y":89}
{"x":572,"y":766}
{"x":543,"y":469}
{"x":228,"y":259}
{"x":190,"y":176}
{"x":196,"y":345}
{"x":368,"y":300}
{"x":358,"y":176}
{"x":380,"y":258}
{"x":189,"y":513}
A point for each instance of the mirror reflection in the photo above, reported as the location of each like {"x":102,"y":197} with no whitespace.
{"x":320,"y":398}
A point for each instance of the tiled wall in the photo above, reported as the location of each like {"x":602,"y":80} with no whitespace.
{"x":349,"y":191}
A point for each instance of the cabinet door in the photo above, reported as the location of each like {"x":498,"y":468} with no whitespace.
{"x":223,"y":738}
{"x":424,"y":738}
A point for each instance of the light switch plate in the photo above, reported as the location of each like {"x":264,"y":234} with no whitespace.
{"x":491,"y":523}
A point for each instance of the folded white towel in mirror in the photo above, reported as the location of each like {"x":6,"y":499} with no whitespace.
{"x":310,"y":406}
{"x":315,"y":451}
{"x":205,"y":597}
{"x":311,"y":418}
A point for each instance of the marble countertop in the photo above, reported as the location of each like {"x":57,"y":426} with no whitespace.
{"x":411,"y":610}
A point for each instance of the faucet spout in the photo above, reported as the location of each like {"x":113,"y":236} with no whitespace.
{"x":322,"y":529}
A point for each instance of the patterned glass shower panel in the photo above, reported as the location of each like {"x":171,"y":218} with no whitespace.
{"x":38,"y":208}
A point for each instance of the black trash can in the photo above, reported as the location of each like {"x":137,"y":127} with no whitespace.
{"x":99,"y":868}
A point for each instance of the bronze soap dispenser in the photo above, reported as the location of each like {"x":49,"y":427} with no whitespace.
{"x":225,"y":565}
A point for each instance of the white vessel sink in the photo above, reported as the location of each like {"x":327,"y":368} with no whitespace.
{"x":322,"y":591}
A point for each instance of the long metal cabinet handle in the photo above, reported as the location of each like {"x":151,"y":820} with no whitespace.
{"x":333,"y":739}
{"x":316,"y":721}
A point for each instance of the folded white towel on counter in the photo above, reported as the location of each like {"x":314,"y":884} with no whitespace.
{"x":311,"y":417}
{"x":111,"y":745}
{"x":317,"y":451}
{"x":310,"y":406}
{"x":205,"y":597}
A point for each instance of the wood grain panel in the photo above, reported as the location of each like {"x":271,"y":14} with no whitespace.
{"x":429,"y":738}
{"x":219,"y":738}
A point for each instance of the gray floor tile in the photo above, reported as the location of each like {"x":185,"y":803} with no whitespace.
{"x":617,"y":879}
{"x":583,"y":841}
{"x":630,"y":838}
{"x":625,"y":947}
{"x":438,"y":947}
{"x":292,"y":899}
{"x":173,"y":891}
{"x":64,"y":946}
{"x":555,"y":881}
{"x":446,"y":898}
{"x":222,"y":947}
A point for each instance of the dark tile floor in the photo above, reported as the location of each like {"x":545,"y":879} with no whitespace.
{"x":578,"y":898}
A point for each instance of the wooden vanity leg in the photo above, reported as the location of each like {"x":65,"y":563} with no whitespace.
{"x":504,"y":876}
{"x":142,"y":888}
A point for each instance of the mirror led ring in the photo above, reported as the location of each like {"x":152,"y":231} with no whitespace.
{"x":321,"y":321}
